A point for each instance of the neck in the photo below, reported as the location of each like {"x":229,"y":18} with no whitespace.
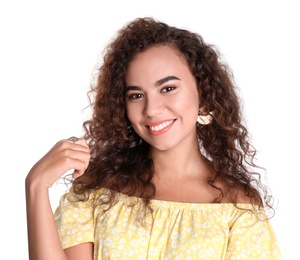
{"x":184,"y":161}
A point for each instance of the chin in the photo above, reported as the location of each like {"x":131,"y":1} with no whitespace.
{"x":161,"y":147}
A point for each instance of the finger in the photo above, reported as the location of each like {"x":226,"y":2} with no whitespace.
{"x":79,"y":168}
{"x":72,"y":156}
{"x":80,"y":145}
{"x":76,"y":174}
{"x":76,"y":140}
{"x":79,"y":165}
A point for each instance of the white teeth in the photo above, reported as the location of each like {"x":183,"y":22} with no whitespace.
{"x":161,"y":126}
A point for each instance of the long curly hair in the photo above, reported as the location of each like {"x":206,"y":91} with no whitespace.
{"x":120,"y":158}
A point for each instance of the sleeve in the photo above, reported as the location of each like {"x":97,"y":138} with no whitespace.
{"x":74,"y":220}
{"x":251,"y":237}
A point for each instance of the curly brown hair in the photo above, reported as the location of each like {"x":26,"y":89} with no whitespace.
{"x":119,"y":157}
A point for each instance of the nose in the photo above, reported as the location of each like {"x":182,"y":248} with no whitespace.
{"x":154,"y":106}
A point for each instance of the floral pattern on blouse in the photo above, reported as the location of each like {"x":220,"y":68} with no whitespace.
{"x":174,"y":230}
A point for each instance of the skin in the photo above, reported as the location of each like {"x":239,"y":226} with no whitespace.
{"x":162,"y":104}
{"x":162,"y":89}
{"x":43,"y":238}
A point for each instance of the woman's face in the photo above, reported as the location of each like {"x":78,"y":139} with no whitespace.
{"x":162,"y":100}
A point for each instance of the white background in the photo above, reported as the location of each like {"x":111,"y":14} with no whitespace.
{"x":48,"y":51}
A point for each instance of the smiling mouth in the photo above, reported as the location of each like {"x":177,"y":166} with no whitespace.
{"x":157,"y":128}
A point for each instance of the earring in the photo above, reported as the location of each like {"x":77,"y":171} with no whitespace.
{"x":205,"y":120}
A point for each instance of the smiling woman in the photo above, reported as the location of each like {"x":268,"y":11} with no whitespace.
{"x":165,"y":169}
{"x":164,"y":108}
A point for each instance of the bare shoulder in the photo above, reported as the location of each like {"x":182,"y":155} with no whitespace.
{"x":240,"y":196}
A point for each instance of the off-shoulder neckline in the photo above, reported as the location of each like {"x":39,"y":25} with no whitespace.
{"x":180,"y":204}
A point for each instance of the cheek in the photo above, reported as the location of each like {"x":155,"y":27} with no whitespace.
{"x":189,"y":103}
{"x":195,"y":102}
{"x":192,"y":107}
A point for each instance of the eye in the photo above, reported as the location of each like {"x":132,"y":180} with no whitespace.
{"x":135,"y":96}
{"x":168,"y":89}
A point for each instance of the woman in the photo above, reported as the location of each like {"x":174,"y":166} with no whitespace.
{"x":165,"y":169}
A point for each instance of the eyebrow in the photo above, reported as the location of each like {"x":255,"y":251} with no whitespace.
{"x":165,"y":79}
{"x":157,"y":83}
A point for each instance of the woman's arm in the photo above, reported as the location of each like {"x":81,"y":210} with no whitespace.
{"x":82,"y":251}
{"x":43,"y":239}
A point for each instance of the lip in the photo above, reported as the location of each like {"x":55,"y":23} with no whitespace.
{"x":160,"y":127}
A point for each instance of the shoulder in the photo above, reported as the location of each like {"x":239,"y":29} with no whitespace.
{"x":241,"y":196}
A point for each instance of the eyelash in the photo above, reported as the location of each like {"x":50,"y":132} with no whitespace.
{"x":170,"y":88}
{"x":139,"y":95}
{"x":134,"y":96}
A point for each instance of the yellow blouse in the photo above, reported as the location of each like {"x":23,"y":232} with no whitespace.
{"x":174,"y":230}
